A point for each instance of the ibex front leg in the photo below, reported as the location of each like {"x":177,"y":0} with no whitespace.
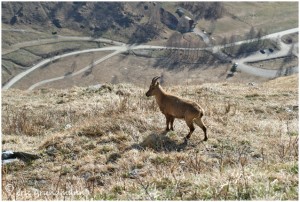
{"x":169,"y":121}
{"x":172,"y":122}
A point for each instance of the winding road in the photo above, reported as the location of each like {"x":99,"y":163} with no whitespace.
{"x":267,"y":72}
{"x":121,"y":47}
{"x":57,"y":39}
{"x":243,"y":66}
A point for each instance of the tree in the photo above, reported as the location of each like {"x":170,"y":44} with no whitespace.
{"x":154,"y":18}
{"x":212,"y":26}
{"x":251,"y":34}
{"x":289,"y":56}
{"x":260,"y":33}
{"x":144,"y":33}
{"x":207,"y":10}
{"x":223,"y":43}
{"x":174,"y":39}
{"x":73,"y":66}
{"x":231,"y":48}
{"x":278,"y":43}
{"x":215,"y":10}
{"x":233,"y":68}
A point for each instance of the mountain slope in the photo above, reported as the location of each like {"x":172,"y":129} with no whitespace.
{"x":108,"y":142}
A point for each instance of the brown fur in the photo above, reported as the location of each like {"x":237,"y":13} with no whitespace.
{"x":174,"y":107}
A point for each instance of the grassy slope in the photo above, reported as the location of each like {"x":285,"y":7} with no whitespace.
{"x":267,"y":14}
{"x":110,"y":144}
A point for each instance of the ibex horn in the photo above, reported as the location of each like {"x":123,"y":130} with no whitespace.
{"x":155,"y":79}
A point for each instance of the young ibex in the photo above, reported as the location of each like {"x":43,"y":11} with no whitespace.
{"x":174,"y":107}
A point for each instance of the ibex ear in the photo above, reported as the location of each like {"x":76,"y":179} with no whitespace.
{"x":157,"y":83}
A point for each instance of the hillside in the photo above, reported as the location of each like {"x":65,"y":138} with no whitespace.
{"x":128,"y":20}
{"x":81,"y":16}
{"x":108,"y":143}
{"x":125,"y":21}
{"x":36,"y":32}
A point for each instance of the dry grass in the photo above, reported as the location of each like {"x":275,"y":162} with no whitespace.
{"x":47,"y":50}
{"x":9,"y":70}
{"x":264,"y":15}
{"x":108,"y":143}
{"x":22,"y":57}
{"x":10,"y":38}
{"x":290,"y":38}
{"x":241,"y":16}
{"x":124,"y":68}
{"x":62,"y":67}
{"x":277,"y":63}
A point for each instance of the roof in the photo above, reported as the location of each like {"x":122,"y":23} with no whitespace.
{"x":188,"y":18}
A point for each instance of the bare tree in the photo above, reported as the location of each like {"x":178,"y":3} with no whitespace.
{"x":259,"y":35}
{"x":174,"y":39}
{"x":207,"y":10}
{"x":278,"y":43}
{"x":231,"y":48}
{"x":251,"y":34}
{"x":73,"y":66}
{"x":72,"y":69}
{"x":154,"y":18}
{"x":212,"y":26}
{"x":290,"y":55}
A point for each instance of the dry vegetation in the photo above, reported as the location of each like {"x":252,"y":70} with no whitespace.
{"x":108,"y":143}
{"x":62,"y":67}
{"x":259,"y":15}
{"x":277,"y":63}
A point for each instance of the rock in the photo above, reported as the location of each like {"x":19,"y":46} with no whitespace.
{"x":68,"y":126}
{"x":51,"y":151}
{"x":60,"y":101}
{"x":10,"y":156}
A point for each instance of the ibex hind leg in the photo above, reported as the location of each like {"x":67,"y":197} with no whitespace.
{"x":200,"y":123}
{"x":192,"y":128}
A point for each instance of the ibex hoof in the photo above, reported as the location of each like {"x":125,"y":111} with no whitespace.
{"x":205,"y":139}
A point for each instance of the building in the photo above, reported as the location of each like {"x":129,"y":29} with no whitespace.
{"x":185,"y":24}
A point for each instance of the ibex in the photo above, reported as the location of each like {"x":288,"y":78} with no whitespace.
{"x":174,"y":107}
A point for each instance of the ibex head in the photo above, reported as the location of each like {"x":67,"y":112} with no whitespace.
{"x":154,"y":87}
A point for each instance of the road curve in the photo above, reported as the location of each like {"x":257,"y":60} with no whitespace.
{"x":46,"y":61}
{"x":269,"y":36}
{"x":78,"y":72}
{"x":204,"y":37}
{"x":267,"y":72}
